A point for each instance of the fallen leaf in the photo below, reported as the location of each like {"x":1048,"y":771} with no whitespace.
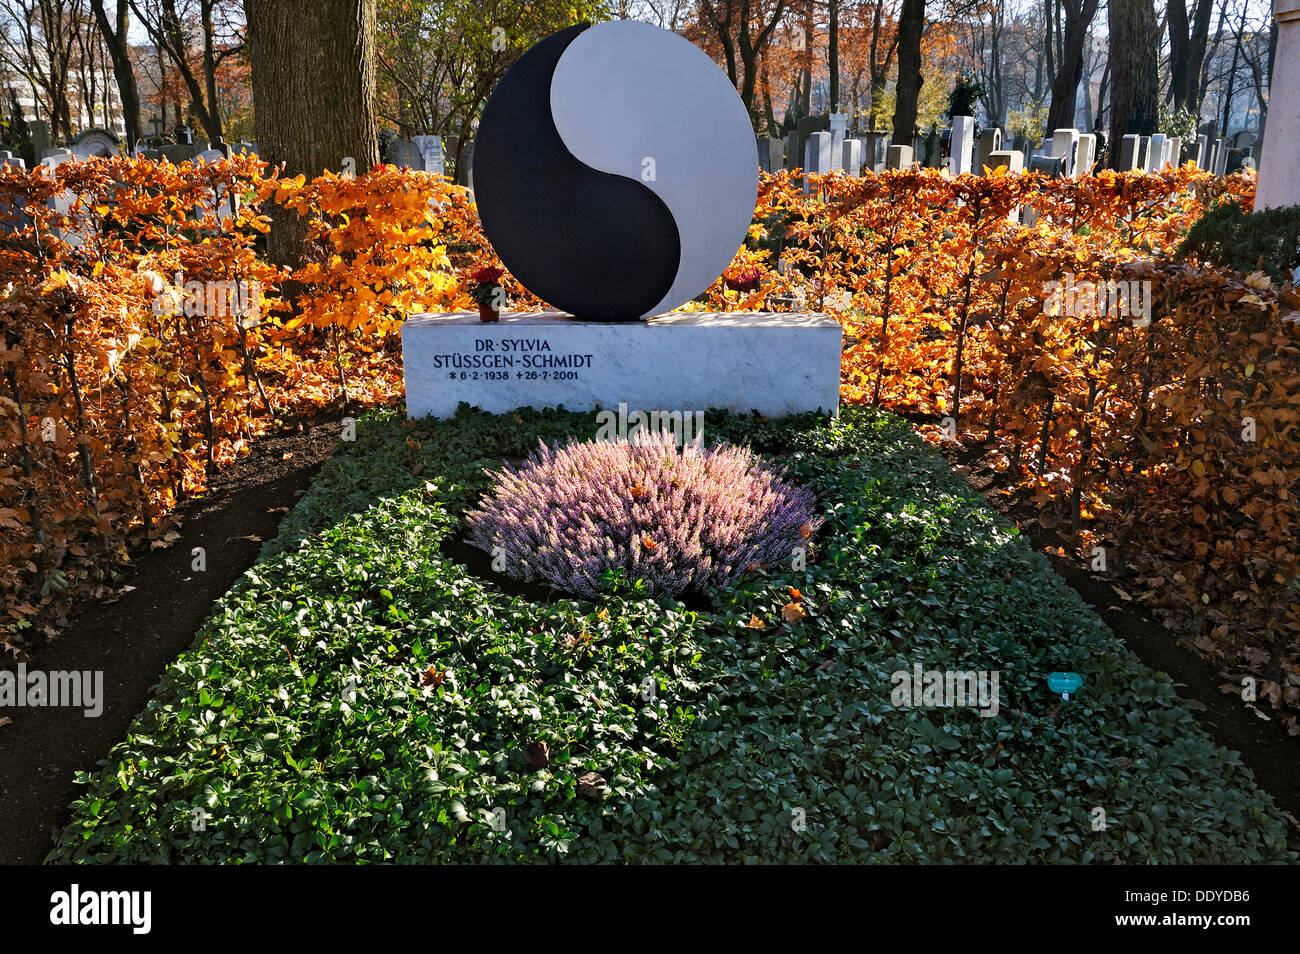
{"x":793,"y":612}
{"x":591,"y":786}
{"x":755,"y":622}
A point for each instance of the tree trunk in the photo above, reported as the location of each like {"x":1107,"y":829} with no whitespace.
{"x":215,"y":131}
{"x":120,"y":52}
{"x":1134,"y":87}
{"x":833,"y":55}
{"x":805,"y":72}
{"x":1065,"y":87}
{"x":911,"y":24}
{"x":313,"y":96}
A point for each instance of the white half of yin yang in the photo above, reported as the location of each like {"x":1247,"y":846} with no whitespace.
{"x":628,"y":98}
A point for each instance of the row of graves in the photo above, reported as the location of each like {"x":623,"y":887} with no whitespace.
{"x":427,"y":154}
{"x":101,"y":143}
{"x":820,"y":144}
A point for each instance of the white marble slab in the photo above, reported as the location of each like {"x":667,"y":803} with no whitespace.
{"x":774,"y":363}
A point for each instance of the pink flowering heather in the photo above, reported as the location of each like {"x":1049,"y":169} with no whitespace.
{"x":675,"y":519}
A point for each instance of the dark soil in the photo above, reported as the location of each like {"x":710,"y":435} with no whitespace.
{"x":134,"y":638}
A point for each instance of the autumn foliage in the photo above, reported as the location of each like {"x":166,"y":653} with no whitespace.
{"x":135,"y":360}
{"x":1171,"y":444}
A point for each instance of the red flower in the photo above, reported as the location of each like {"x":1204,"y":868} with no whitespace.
{"x":487,"y":275}
{"x":745,"y":279}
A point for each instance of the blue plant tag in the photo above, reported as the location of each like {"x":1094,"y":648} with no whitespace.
{"x":1064,"y":683}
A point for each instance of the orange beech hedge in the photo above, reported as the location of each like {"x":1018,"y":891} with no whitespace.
{"x":1163,"y":430}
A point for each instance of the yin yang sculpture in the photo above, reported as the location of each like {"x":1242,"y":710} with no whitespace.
{"x":615,"y":170}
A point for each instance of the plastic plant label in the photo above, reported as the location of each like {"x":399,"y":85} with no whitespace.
{"x":1064,"y":683}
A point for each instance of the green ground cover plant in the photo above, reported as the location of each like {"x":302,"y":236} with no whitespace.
{"x":361,"y":696}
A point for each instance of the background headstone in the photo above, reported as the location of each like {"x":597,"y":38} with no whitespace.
{"x":899,"y":157}
{"x":465,"y":176}
{"x":962,"y":153}
{"x":875,"y":147}
{"x":1130,"y":148}
{"x":179,"y":152}
{"x":96,"y":142}
{"x":805,"y":128}
{"x":990,"y":142}
{"x":1013,"y":160}
{"x":1051,"y":166}
{"x":1174,"y":154}
{"x":839,"y":126}
{"x":40,"y":133}
{"x":430,"y":148}
{"x":62,"y":202}
{"x":1085,"y":156}
{"x":851,"y":156}
{"x":1156,"y":153}
{"x":406,"y":154}
{"x":771,"y":154}
{"x":1065,"y":144}
{"x":817,"y":154}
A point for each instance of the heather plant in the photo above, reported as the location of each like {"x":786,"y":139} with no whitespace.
{"x":578,"y":516}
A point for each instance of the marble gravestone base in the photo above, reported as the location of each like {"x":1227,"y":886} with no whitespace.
{"x":775,"y":364}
